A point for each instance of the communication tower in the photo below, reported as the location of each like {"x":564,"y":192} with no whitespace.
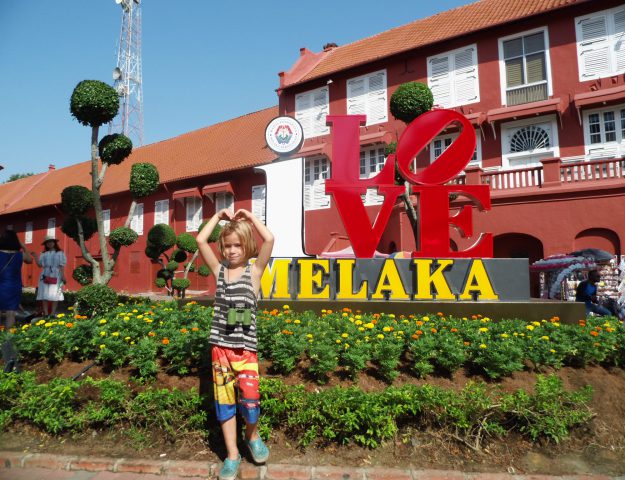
{"x":127,"y":74}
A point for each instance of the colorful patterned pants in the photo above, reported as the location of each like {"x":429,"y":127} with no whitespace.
{"x":235,"y":368}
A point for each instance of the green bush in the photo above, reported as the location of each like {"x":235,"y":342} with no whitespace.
{"x":203,"y":270}
{"x":172,"y":266}
{"x":144,"y":180}
{"x":95,"y":299}
{"x":180,"y":284}
{"x":162,"y":237}
{"x":152,"y":252}
{"x":160,"y":282}
{"x":76,"y":200}
{"x":114,"y":149}
{"x":94,"y":103}
{"x":164,"y":274}
{"x":411,"y":100}
{"x":83,"y":274}
{"x":70,"y":227}
{"x":186,"y":242}
{"x":179,"y":255}
{"x":122,"y":237}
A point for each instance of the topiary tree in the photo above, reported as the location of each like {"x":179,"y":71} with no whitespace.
{"x":95,"y":299}
{"x":94,"y":103}
{"x":409,"y":101}
{"x":162,"y":238}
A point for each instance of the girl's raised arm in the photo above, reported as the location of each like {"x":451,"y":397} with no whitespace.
{"x":264,"y":253}
{"x":206,"y":251}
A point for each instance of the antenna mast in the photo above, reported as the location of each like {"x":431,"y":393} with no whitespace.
{"x":127,"y":74}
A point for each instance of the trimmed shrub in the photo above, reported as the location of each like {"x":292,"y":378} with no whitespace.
{"x":144,"y":180}
{"x":179,"y":255}
{"x":161,"y":237}
{"x":192,"y":267}
{"x":114,"y":149}
{"x":70,"y":227}
{"x":204,"y":271}
{"x":164,"y":274}
{"x":180,"y":283}
{"x":411,"y":100}
{"x":95,"y":299}
{"x":76,"y":200}
{"x":172,"y":266}
{"x":122,"y":237}
{"x":152,"y":252}
{"x":187,"y":242}
{"x":214,"y":236}
{"x":160,"y":282}
{"x":94,"y":103}
{"x":83,"y":274}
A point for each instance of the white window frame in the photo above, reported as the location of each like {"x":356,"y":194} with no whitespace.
{"x":316,"y":171}
{"x":372,"y":160}
{"x":106,"y":222}
{"x":136,"y":223}
{"x":605,"y":149}
{"x":364,"y":104}
{"x":454,"y":76}
{"x":193,"y":213}
{"x":611,"y":40}
{"x":161,"y":211}
{"x":506,"y":155}
{"x":313,"y":118}
{"x":51,"y":230}
{"x":477,"y":155}
{"x":502,"y":62}
{"x":28,"y":233}
{"x":259,"y":202}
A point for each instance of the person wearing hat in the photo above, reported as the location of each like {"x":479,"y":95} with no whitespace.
{"x":52,"y":262}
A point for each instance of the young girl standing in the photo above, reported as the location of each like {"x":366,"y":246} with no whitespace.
{"x":233,"y":331}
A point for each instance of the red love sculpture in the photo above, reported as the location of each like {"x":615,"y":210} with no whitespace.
{"x":346,"y":186}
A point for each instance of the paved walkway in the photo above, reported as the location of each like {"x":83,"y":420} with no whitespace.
{"x":39,"y":466}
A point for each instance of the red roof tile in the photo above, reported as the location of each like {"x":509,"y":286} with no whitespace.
{"x":437,"y":28}
{"x":230,"y":145}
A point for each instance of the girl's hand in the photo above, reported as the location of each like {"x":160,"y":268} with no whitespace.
{"x":242,"y":214}
{"x":224,"y":215}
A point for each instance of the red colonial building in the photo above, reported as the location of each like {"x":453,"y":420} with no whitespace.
{"x":541,"y":81}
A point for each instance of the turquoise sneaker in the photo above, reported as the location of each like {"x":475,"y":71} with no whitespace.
{"x":229,"y":469}
{"x":259,"y":451}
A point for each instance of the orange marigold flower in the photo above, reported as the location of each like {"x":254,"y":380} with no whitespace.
{"x":466,"y":344}
{"x":347,"y":309}
{"x":414,"y":336}
{"x":194,"y":329}
{"x":454,"y":330}
{"x":151,"y":334}
{"x":69,"y":324}
{"x":582,"y":323}
{"x":165,"y":341}
{"x":419,"y":322}
{"x":440,"y":314}
{"x":474,"y":317}
{"x":433,"y":330}
{"x":184,"y":330}
{"x":419,"y":332}
{"x":594,"y":334}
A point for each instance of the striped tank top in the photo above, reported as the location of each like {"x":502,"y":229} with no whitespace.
{"x":240,"y":294}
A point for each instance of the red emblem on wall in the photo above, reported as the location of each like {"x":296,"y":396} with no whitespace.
{"x":346,"y":186}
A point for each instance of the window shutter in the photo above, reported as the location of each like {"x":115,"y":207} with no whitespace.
{"x":194,"y":213}
{"x":106,"y":222}
{"x":376,"y":98}
{"x":593,"y":47}
{"x":619,"y":39}
{"x":439,"y":80}
{"x":320,"y":111}
{"x":161,"y":212}
{"x":465,"y":76}
{"x":303,"y":112}
{"x":356,"y":98}
{"x":259,"y":195}
{"x":51,"y":227}
{"x":136,"y":223}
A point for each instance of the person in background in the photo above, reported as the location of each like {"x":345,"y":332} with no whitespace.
{"x":12,"y":254}
{"x":587,"y":292}
{"x":52,"y":262}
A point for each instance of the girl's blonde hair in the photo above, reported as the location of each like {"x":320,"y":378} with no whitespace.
{"x":244,"y":231}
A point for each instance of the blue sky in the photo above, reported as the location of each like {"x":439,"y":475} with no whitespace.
{"x":203,"y":62}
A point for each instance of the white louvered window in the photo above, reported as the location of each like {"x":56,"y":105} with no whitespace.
{"x":604,"y":132}
{"x":526,"y":142}
{"x":259,"y":197}
{"x":28,"y":233}
{"x":106,"y":222}
{"x":136,"y":223}
{"x":453,"y":77}
{"x":600,"y":43}
{"x":367,"y":95}
{"x":311,"y":109}
{"x":525,"y":63}
{"x":316,"y":171}
{"x":51,"y":227}
{"x":161,"y":212}
{"x":440,"y":144}
{"x":371,"y":163}
{"x":194,"y":213}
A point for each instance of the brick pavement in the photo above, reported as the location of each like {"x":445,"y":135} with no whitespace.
{"x":41,"y":466}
